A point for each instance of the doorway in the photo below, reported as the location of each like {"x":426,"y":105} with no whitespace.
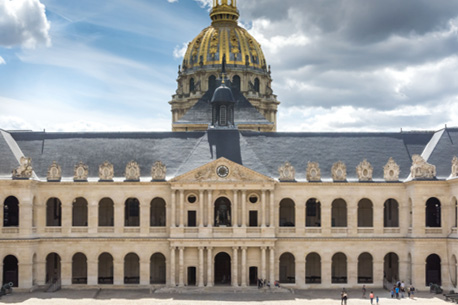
{"x":253,"y":276}
{"x":192,"y":276}
{"x":222,"y":269}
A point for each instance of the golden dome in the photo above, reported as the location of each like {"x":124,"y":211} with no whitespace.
{"x":224,"y":36}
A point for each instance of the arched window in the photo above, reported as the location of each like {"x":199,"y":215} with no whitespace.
{"x":339,"y":213}
{"x":339,"y":268}
{"x":287,"y":213}
{"x":157,"y":214}
{"x":365,"y":213}
{"x":313,"y":213}
{"x":313,"y":269}
{"x":391,"y":267}
{"x":287,"y":268}
{"x":256,"y":84}
{"x":106,"y":213}
{"x":192,"y":86}
{"x":454,"y":272}
{"x":11,"y":212}
{"x":212,"y":82}
{"x":222,"y":269}
{"x":365,"y":268}
{"x":105,"y":269}
{"x":433,"y":213}
{"x":236,"y":82}
{"x":132,"y":212}
{"x":158,"y":269}
{"x":131,"y":269}
{"x":52,"y":268}
{"x":79,"y":212}
{"x":223,"y":214}
{"x":433,"y":270}
{"x":391,"y":214}
{"x":10,"y":270}
{"x":53,"y":212}
{"x":79,"y":269}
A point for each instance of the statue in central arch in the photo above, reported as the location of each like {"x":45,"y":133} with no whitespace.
{"x":222,"y":213}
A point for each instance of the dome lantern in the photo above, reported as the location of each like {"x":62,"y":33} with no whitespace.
{"x":223,"y":11}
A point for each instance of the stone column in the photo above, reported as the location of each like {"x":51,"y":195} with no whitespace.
{"x":181,"y":208}
{"x":209,"y":267}
{"x":118,"y":272}
{"x":244,"y":211}
{"x":235,"y":220}
{"x":272,"y":210}
{"x":272,"y":266}
{"x":201,"y":267}
{"x":244,"y":266}
{"x":172,"y":267}
{"x":210,"y":209}
{"x":263,"y":263}
{"x":144,"y":272}
{"x":92,"y":271}
{"x":93,"y":216}
{"x":235,"y":268}
{"x":181,"y":267}
{"x":173,"y":210}
{"x":263,"y":209}
{"x":201,"y":208}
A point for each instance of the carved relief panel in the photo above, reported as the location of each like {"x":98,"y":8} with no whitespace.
{"x":158,"y":171}
{"x":339,"y":172}
{"x":106,"y":171}
{"x":81,"y":172}
{"x":313,"y":172}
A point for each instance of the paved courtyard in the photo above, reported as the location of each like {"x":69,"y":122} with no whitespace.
{"x":140,"y":297}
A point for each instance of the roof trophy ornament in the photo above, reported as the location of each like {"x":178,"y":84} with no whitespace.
{"x":339,"y":172}
{"x":391,"y":171}
{"x":313,"y":172}
{"x":454,"y":167}
{"x":364,"y":170}
{"x":54,"y":172}
{"x":132,"y":172}
{"x":421,"y":169}
{"x":25,"y":170}
{"x":287,"y":172}
{"x":81,"y":172}
{"x":158,"y":171}
{"x":106,"y":172}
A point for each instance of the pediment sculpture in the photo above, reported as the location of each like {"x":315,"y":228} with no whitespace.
{"x":313,"y":172}
{"x":364,"y":170}
{"x":421,"y":169}
{"x":81,"y":172}
{"x":132,"y":171}
{"x":454,"y":167}
{"x":25,"y":170}
{"x":106,"y":171}
{"x":158,"y":171}
{"x":54,"y":172}
{"x":391,"y":171}
{"x":339,"y":172}
{"x":287,"y":172}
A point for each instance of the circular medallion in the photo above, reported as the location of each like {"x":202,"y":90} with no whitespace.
{"x":222,"y":171}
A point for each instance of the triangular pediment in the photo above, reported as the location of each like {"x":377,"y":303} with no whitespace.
{"x":222,"y":170}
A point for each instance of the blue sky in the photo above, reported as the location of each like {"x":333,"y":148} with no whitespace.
{"x":111,"y":65}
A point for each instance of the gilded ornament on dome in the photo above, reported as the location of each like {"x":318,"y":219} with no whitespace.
{"x":132,"y":171}
{"x":54,"y":172}
{"x":25,"y":170}
{"x":234,"y":43}
{"x":391,"y":171}
{"x":364,"y":171}
{"x":106,"y":171}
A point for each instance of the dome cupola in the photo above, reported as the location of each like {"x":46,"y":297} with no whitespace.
{"x":223,"y":11}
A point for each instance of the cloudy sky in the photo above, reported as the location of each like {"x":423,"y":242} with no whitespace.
{"x":347,"y":65}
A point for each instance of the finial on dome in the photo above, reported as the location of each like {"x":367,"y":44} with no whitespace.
{"x":222,"y":11}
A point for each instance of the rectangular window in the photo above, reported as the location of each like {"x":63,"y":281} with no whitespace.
{"x":191,"y":218}
{"x":253,"y":218}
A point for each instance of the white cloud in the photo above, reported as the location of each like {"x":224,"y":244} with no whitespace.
{"x":23,"y":23}
{"x":179,"y":52}
{"x":172,"y":1}
{"x":2,"y":61}
{"x":205,"y":3}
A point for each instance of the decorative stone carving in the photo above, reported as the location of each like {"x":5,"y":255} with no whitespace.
{"x":391,"y":171}
{"x":313,"y":172}
{"x":339,"y":172}
{"x":132,"y":171}
{"x":54,"y":172}
{"x":454,"y":167}
{"x":158,"y":171}
{"x":287,"y":172}
{"x":25,"y":170}
{"x":106,"y":171}
{"x":205,"y":174}
{"x":364,"y":170}
{"x":81,"y":172}
{"x":421,"y":169}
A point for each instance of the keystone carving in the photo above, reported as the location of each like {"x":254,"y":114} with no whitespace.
{"x":287,"y":172}
{"x":391,"y":171}
{"x":454,"y":167}
{"x":339,"y":172}
{"x":132,"y":171}
{"x":25,"y":170}
{"x":81,"y":172}
{"x":364,"y":170}
{"x":106,"y":171}
{"x":313,"y":172}
{"x":158,"y":171}
{"x":54,"y":172}
{"x":421,"y":169}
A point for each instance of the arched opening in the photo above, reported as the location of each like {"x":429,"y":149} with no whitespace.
{"x":132,"y":212}
{"x":105,"y":274}
{"x":222,"y":212}
{"x":365,"y":213}
{"x":236,"y":82}
{"x":11,"y":212}
{"x":339,"y":213}
{"x":53,"y":212}
{"x":287,"y":268}
{"x":256,"y":84}
{"x":287,"y":213}
{"x":391,"y":267}
{"x":454,"y":271}
{"x":79,"y":212}
{"x":192,"y":86}
{"x":433,"y":213}
{"x":313,"y":213}
{"x":34,"y":269}
{"x":339,"y":268}
{"x":433,"y":270}
{"x":10,"y":270}
{"x":313,"y":269}
{"x":365,"y":268}
{"x":106,"y":213}
{"x":79,"y":269}
{"x":131,"y":269}
{"x":409,"y":268}
{"x":52,"y":268}
{"x":222,"y":269}
{"x":212,"y":82}
{"x":391,"y":214}
{"x":157,"y":213}
{"x":157,"y":269}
